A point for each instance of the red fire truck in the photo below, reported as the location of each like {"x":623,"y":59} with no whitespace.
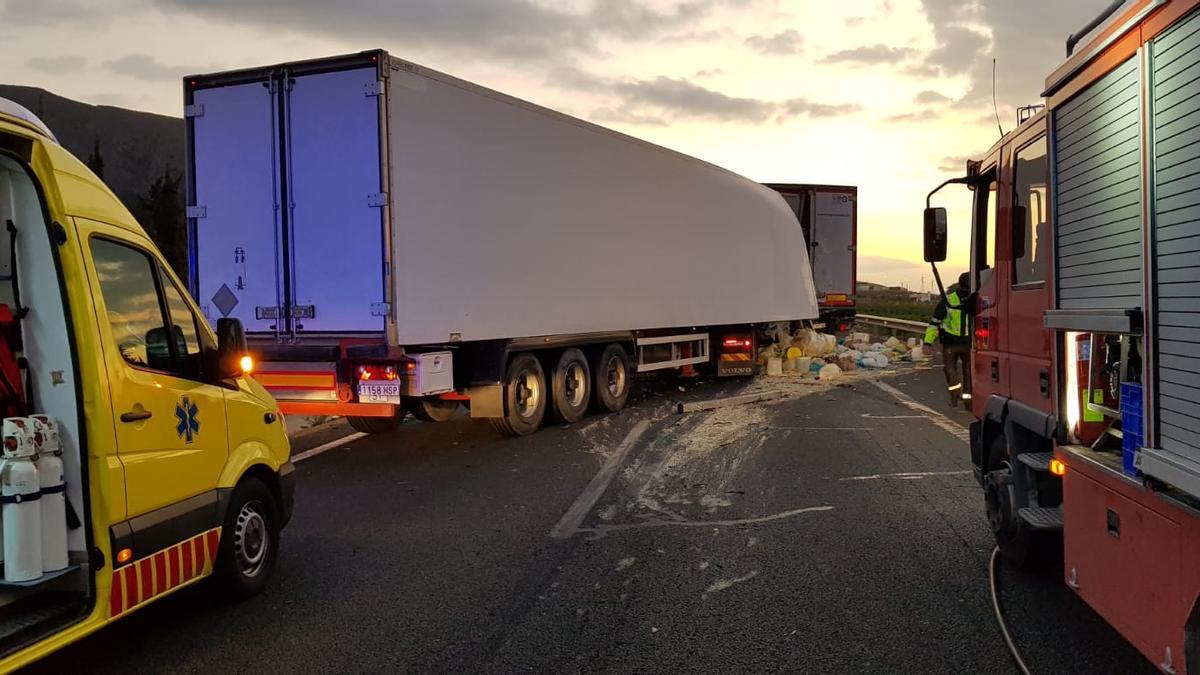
{"x":1085,"y":260}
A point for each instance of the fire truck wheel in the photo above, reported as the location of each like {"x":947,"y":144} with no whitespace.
{"x":1020,"y":545}
{"x":433,"y":409}
{"x":572,"y":387}
{"x":524,"y":397}
{"x":610,"y":371}
{"x":249,"y":541}
{"x":376,"y":425}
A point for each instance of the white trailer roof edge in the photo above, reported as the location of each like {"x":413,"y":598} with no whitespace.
{"x":381,"y":56}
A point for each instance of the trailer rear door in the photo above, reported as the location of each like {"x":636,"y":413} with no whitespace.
{"x":288,"y":209}
{"x":833,"y":242}
{"x":234,"y":221}
{"x":336,"y":227}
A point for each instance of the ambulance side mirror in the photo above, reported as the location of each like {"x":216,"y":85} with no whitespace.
{"x":231,"y":349}
{"x":935,"y":234}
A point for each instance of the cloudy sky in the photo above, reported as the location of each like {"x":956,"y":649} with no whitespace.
{"x":888,"y":95}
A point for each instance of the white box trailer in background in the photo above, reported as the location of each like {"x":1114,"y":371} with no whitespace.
{"x":371,"y":221}
{"x":828,"y":215}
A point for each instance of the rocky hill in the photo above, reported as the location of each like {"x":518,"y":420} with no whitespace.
{"x":142,"y":156}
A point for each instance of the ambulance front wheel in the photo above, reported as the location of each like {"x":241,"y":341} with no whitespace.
{"x":249,"y":541}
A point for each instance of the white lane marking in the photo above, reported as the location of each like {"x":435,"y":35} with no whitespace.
{"x":957,"y":430}
{"x":568,"y":525}
{"x":326,"y":447}
{"x":722,"y":584}
{"x":906,"y":475}
{"x":773,"y":427}
{"x":601,"y":530}
{"x":893,"y":417}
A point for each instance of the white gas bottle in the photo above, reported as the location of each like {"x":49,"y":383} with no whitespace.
{"x":53,"y":493}
{"x":20,"y":511}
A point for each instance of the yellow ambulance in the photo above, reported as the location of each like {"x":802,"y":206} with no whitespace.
{"x":174,"y":462}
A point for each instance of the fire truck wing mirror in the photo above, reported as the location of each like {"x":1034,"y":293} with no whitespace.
{"x":1018,"y":231}
{"x":935,"y":234}
{"x":231,"y":348}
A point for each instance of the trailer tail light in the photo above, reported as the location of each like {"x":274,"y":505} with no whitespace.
{"x":737,"y":344}
{"x":374,"y":373}
{"x":1057,"y":467}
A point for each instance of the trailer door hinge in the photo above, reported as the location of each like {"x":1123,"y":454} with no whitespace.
{"x":197,"y":212}
{"x":377,"y":199}
{"x":373,"y":88}
{"x":193,"y":110}
{"x":381,"y":308}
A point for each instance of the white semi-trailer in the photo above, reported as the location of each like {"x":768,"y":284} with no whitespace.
{"x":397,"y":239}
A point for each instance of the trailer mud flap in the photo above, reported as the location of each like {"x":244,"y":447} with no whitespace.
{"x":487,"y":400}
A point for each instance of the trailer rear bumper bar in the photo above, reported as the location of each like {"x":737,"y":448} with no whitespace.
{"x":671,"y":351}
{"x":316,"y":408}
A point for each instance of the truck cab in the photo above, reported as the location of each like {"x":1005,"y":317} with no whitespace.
{"x":1012,"y":382}
{"x":1085,"y":359}
{"x":175,"y":463}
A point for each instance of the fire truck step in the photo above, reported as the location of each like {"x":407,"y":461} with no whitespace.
{"x":1038,"y":461}
{"x":1043,"y":518}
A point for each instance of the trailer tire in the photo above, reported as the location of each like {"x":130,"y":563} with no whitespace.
{"x":376,"y":425}
{"x":610,"y":379}
{"x":572,"y":387}
{"x":524,"y":397}
{"x":249,"y":541}
{"x":433,"y":409}
{"x":1021,"y":546}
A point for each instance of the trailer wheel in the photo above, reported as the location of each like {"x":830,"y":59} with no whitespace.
{"x":433,"y":409}
{"x":1020,"y":545}
{"x":572,"y":386}
{"x":610,"y":373}
{"x":249,"y":542}
{"x":524,"y":397}
{"x":377,"y":425}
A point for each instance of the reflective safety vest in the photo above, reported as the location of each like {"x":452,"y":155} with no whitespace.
{"x":953,"y":324}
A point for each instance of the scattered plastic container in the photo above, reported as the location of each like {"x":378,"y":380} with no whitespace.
{"x":830,"y":372}
{"x":1131,"y":426}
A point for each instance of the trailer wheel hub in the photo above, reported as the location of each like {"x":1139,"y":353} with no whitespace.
{"x":528,"y":394}
{"x":616,"y":376}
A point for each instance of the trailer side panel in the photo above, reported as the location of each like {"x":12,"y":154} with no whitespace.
{"x":510,"y":220}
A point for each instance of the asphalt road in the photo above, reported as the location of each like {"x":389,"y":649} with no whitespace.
{"x":835,"y":530}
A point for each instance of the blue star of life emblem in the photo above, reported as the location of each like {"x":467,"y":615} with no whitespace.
{"x":189,"y":425}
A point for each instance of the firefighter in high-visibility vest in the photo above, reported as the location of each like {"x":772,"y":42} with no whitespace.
{"x":950,"y":326}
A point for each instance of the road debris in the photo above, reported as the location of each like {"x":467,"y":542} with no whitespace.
{"x":714,"y":403}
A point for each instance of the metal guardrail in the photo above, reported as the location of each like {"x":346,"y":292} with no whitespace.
{"x":898,"y":325}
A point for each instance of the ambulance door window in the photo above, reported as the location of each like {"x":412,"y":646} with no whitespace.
{"x":183,"y":331}
{"x":131,"y":298}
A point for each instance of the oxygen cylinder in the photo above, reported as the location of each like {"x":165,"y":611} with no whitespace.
{"x":53,"y":493}
{"x":20,"y":511}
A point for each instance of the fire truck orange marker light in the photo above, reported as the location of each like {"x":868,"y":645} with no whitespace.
{"x":124,"y":555}
{"x":247,"y":364}
{"x":1057,"y":467}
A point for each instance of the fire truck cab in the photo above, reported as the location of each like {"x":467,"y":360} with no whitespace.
{"x":169,"y":463}
{"x":1086,"y":352}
